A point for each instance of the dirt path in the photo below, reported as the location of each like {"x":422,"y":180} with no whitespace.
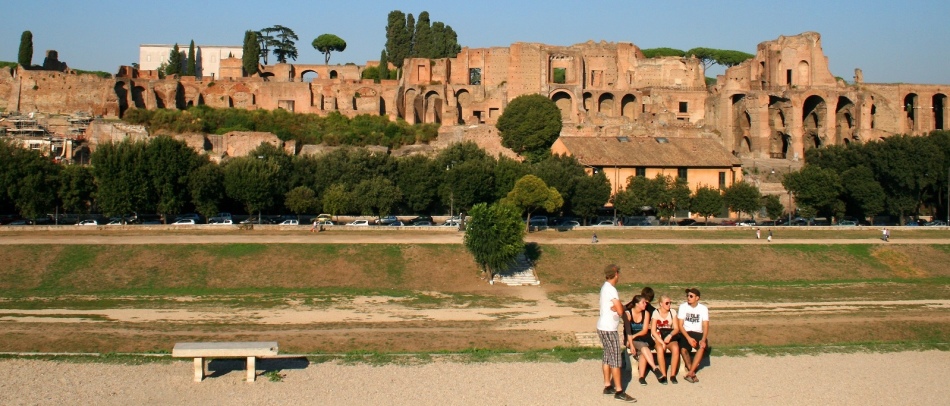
{"x":917,"y":378}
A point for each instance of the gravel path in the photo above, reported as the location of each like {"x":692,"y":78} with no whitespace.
{"x":917,"y":378}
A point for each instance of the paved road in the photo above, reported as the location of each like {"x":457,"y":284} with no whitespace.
{"x":406,"y":238}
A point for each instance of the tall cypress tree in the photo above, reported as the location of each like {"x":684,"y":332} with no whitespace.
{"x":25,"y":57}
{"x":383,"y":66}
{"x":252,"y":53}
{"x":174,"y":62}
{"x":191,"y":65}
{"x":398,"y":37}
{"x":422,"y":40}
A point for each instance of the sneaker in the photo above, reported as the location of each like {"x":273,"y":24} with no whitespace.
{"x":621,"y":396}
{"x":609,"y":390}
{"x":662,"y":380}
{"x":673,"y":380}
{"x":643,"y":382}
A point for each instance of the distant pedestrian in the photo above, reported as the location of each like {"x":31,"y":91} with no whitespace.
{"x":770,"y":235}
{"x":885,"y":234}
{"x":594,"y":240}
{"x":314,"y":227}
{"x":758,"y":233}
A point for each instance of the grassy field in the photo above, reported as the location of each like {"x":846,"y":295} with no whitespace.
{"x":826,"y":294}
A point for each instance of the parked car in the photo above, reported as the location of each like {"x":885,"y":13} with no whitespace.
{"x":220,"y":221}
{"x":290,"y":223}
{"x":686,"y":222}
{"x":848,"y":223}
{"x":605,"y":223}
{"x":184,"y":222}
{"x":746,"y":223}
{"x":20,"y":222}
{"x":728,"y":223}
{"x":359,"y":223}
{"x":422,"y":223}
{"x":114,"y":222}
{"x":385,"y":221}
{"x":418,"y":219}
{"x":189,"y":216}
{"x":568,"y":225}
{"x":88,"y":223}
{"x":936,"y":223}
{"x":397,"y":223}
{"x":324,"y":222}
{"x":451,"y":223}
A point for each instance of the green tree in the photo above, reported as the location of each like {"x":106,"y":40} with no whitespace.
{"x":710,"y":56}
{"x":494,"y":235}
{"x":122,"y":177}
{"x":252,"y":181}
{"x":383,"y":66}
{"x":327,"y":43}
{"x":529,"y":126}
{"x":863,"y":191}
{"x":300,"y":199}
{"x":742,"y":197}
{"x":419,"y":188}
{"x":28,"y":180}
{"x":265,"y":37}
{"x":560,"y":172}
{"x":707,"y":202}
{"x":677,"y":196}
{"x":206,"y":188}
{"x":422,"y":39}
{"x":77,"y":188}
{"x":191,"y":65}
{"x":283,"y":43}
{"x":398,"y":38}
{"x":660,"y":52}
{"x":506,"y":172}
{"x":336,"y":199}
{"x":815,"y":189}
{"x":590,"y":194}
{"x":25,"y":56}
{"x":773,"y":207}
{"x":252,"y":53}
{"x":174,"y":62}
{"x":633,"y":198}
{"x":377,"y":196}
{"x":169,"y":164}
{"x":531,"y":193}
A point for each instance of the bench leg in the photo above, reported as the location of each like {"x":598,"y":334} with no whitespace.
{"x":199,"y":369}
{"x":251,"y":369}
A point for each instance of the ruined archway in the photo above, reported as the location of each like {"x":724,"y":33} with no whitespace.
{"x":844,"y":121}
{"x":308,"y":76}
{"x":123,"y":97}
{"x":813,"y":112}
{"x":565,"y":103}
{"x":605,"y":104}
{"x":804,"y":74}
{"x":463,"y":101}
{"x":588,"y":101}
{"x":333,"y":74}
{"x":939,"y":104}
{"x":433,"y":107}
{"x":628,"y":107}
{"x":138,"y":97}
{"x":910,"y":110}
{"x":743,"y":131}
{"x":411,"y":115}
{"x":779,"y":140}
{"x":873,"y":116}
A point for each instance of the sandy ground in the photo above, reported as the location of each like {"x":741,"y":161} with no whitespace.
{"x":910,"y":378}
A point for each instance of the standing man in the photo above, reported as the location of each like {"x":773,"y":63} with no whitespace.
{"x":758,"y":233}
{"x":770,"y":235}
{"x":884,"y":234}
{"x":611,"y":313}
{"x":693,"y":319}
{"x":314,"y":227}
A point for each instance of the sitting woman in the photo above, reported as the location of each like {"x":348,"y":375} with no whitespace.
{"x":639,"y":338}
{"x":664,"y":328}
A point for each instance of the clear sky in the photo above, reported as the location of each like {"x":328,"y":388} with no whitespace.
{"x":891,"y":41}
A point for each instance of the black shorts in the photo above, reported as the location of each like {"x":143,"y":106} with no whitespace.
{"x":666,"y":333}
{"x":685,"y":344}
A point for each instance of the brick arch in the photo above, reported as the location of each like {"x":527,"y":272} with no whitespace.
{"x":911,"y":106}
{"x":463,"y":101}
{"x":606,"y":105}
{"x":433,"y":107}
{"x":939,"y":103}
{"x":814,"y":110}
{"x":565,"y":102}
{"x":628,"y":106}
{"x":409,"y":110}
{"x":844,"y":120}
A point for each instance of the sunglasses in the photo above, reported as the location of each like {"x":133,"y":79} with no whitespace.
{"x":666,"y":303}
{"x":690,"y":295}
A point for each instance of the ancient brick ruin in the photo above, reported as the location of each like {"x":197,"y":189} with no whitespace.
{"x":775,"y":105}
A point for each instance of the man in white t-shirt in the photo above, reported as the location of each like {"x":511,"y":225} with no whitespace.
{"x":611,"y":313}
{"x":693,"y":319}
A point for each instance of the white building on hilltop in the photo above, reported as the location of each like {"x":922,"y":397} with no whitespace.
{"x":207,"y":57}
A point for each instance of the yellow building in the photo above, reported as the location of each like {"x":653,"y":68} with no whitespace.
{"x":702,"y":161}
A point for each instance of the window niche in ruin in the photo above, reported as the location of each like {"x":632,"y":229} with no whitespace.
{"x":475,"y":76}
{"x":559,"y":69}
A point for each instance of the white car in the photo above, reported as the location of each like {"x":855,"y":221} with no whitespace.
{"x":290,"y":223}
{"x":605,"y":223}
{"x":359,"y":223}
{"x":183,"y":222}
{"x":88,"y":223}
{"x":220,"y":221}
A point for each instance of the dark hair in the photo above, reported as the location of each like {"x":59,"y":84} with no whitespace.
{"x":647,"y":293}
{"x":633,"y":302}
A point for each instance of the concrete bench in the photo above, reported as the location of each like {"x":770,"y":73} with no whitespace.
{"x":249,"y":350}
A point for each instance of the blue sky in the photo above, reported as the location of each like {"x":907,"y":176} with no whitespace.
{"x":891,"y":41}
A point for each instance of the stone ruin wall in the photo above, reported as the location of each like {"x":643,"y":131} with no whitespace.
{"x":781,"y":102}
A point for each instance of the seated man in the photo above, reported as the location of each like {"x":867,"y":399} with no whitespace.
{"x":693,"y":319}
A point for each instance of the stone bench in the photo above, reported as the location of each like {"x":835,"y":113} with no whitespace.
{"x":249,"y":350}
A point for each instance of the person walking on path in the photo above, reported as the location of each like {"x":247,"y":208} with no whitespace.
{"x":611,"y":313}
{"x":758,"y":233}
{"x":885,"y":234}
{"x":770,"y":235}
{"x":314,"y":227}
{"x":594,"y":240}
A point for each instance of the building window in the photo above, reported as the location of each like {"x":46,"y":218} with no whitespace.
{"x":641,"y":172}
{"x":684,"y":107}
{"x":560,"y":75}
{"x":722,"y":180}
{"x":681,"y":173}
{"x":788,"y":77}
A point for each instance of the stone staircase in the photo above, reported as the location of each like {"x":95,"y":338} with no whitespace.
{"x":520,"y":274}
